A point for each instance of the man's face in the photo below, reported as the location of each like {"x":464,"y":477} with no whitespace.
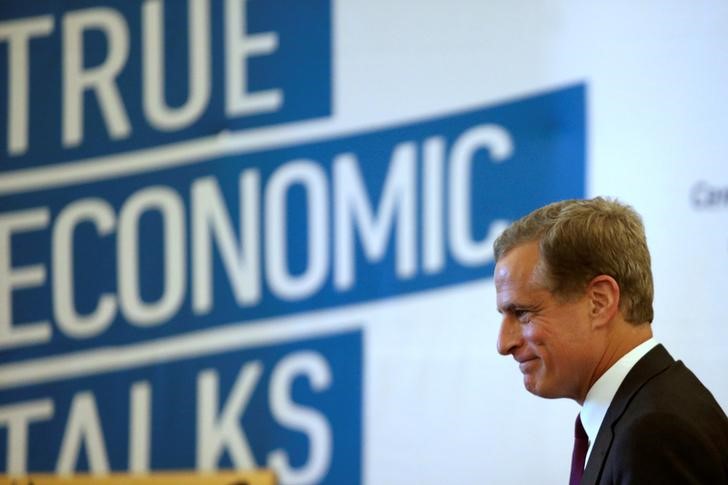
{"x":551,"y":339}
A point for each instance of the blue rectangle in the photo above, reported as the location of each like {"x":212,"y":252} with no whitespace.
{"x":290,"y":53}
{"x":496,"y":164}
{"x":301,"y":401}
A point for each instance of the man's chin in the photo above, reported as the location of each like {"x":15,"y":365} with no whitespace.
{"x":531,"y":384}
{"x":537,"y":388}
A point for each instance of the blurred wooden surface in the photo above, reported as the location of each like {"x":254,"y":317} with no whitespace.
{"x":257,"y":477}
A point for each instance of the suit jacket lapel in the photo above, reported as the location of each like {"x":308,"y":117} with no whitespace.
{"x":653,"y":363}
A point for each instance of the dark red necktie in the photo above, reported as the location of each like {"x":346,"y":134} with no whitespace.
{"x":578,"y":456}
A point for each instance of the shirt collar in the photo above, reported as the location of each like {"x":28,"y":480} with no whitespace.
{"x":602,"y":392}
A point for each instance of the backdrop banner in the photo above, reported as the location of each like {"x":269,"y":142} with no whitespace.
{"x":227,"y":243}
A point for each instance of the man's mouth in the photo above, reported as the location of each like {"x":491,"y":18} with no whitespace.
{"x":527,"y":365}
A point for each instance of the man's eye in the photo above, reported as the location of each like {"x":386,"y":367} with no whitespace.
{"x":521,"y":314}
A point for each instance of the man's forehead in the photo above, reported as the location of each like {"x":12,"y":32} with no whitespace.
{"x":518,"y":262}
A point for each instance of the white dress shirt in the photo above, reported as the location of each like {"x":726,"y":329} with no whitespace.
{"x":602,"y":392}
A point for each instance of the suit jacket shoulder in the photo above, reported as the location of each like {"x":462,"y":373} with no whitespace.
{"x":663,"y":426}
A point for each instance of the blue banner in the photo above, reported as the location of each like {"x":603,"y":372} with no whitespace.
{"x":134,"y":295}
{"x":94,"y":77}
{"x":293,"y":406}
{"x":244,"y":237}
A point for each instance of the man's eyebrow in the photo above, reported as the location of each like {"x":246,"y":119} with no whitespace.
{"x":513,"y":306}
{"x":507,"y":308}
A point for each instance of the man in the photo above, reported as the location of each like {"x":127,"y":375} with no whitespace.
{"x":574,"y":287}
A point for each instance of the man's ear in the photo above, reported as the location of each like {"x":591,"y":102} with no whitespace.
{"x":603,"y":294}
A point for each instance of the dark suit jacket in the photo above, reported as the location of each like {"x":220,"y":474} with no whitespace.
{"x":662,"y":427}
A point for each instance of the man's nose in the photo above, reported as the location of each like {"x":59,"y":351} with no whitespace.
{"x":509,"y":336}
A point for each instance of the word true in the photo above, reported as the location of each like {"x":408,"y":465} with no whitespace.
{"x":100,"y":81}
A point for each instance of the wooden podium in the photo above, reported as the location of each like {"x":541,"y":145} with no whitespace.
{"x":257,"y":477}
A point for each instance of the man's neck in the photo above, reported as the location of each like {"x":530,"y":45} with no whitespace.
{"x":624,"y":337}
